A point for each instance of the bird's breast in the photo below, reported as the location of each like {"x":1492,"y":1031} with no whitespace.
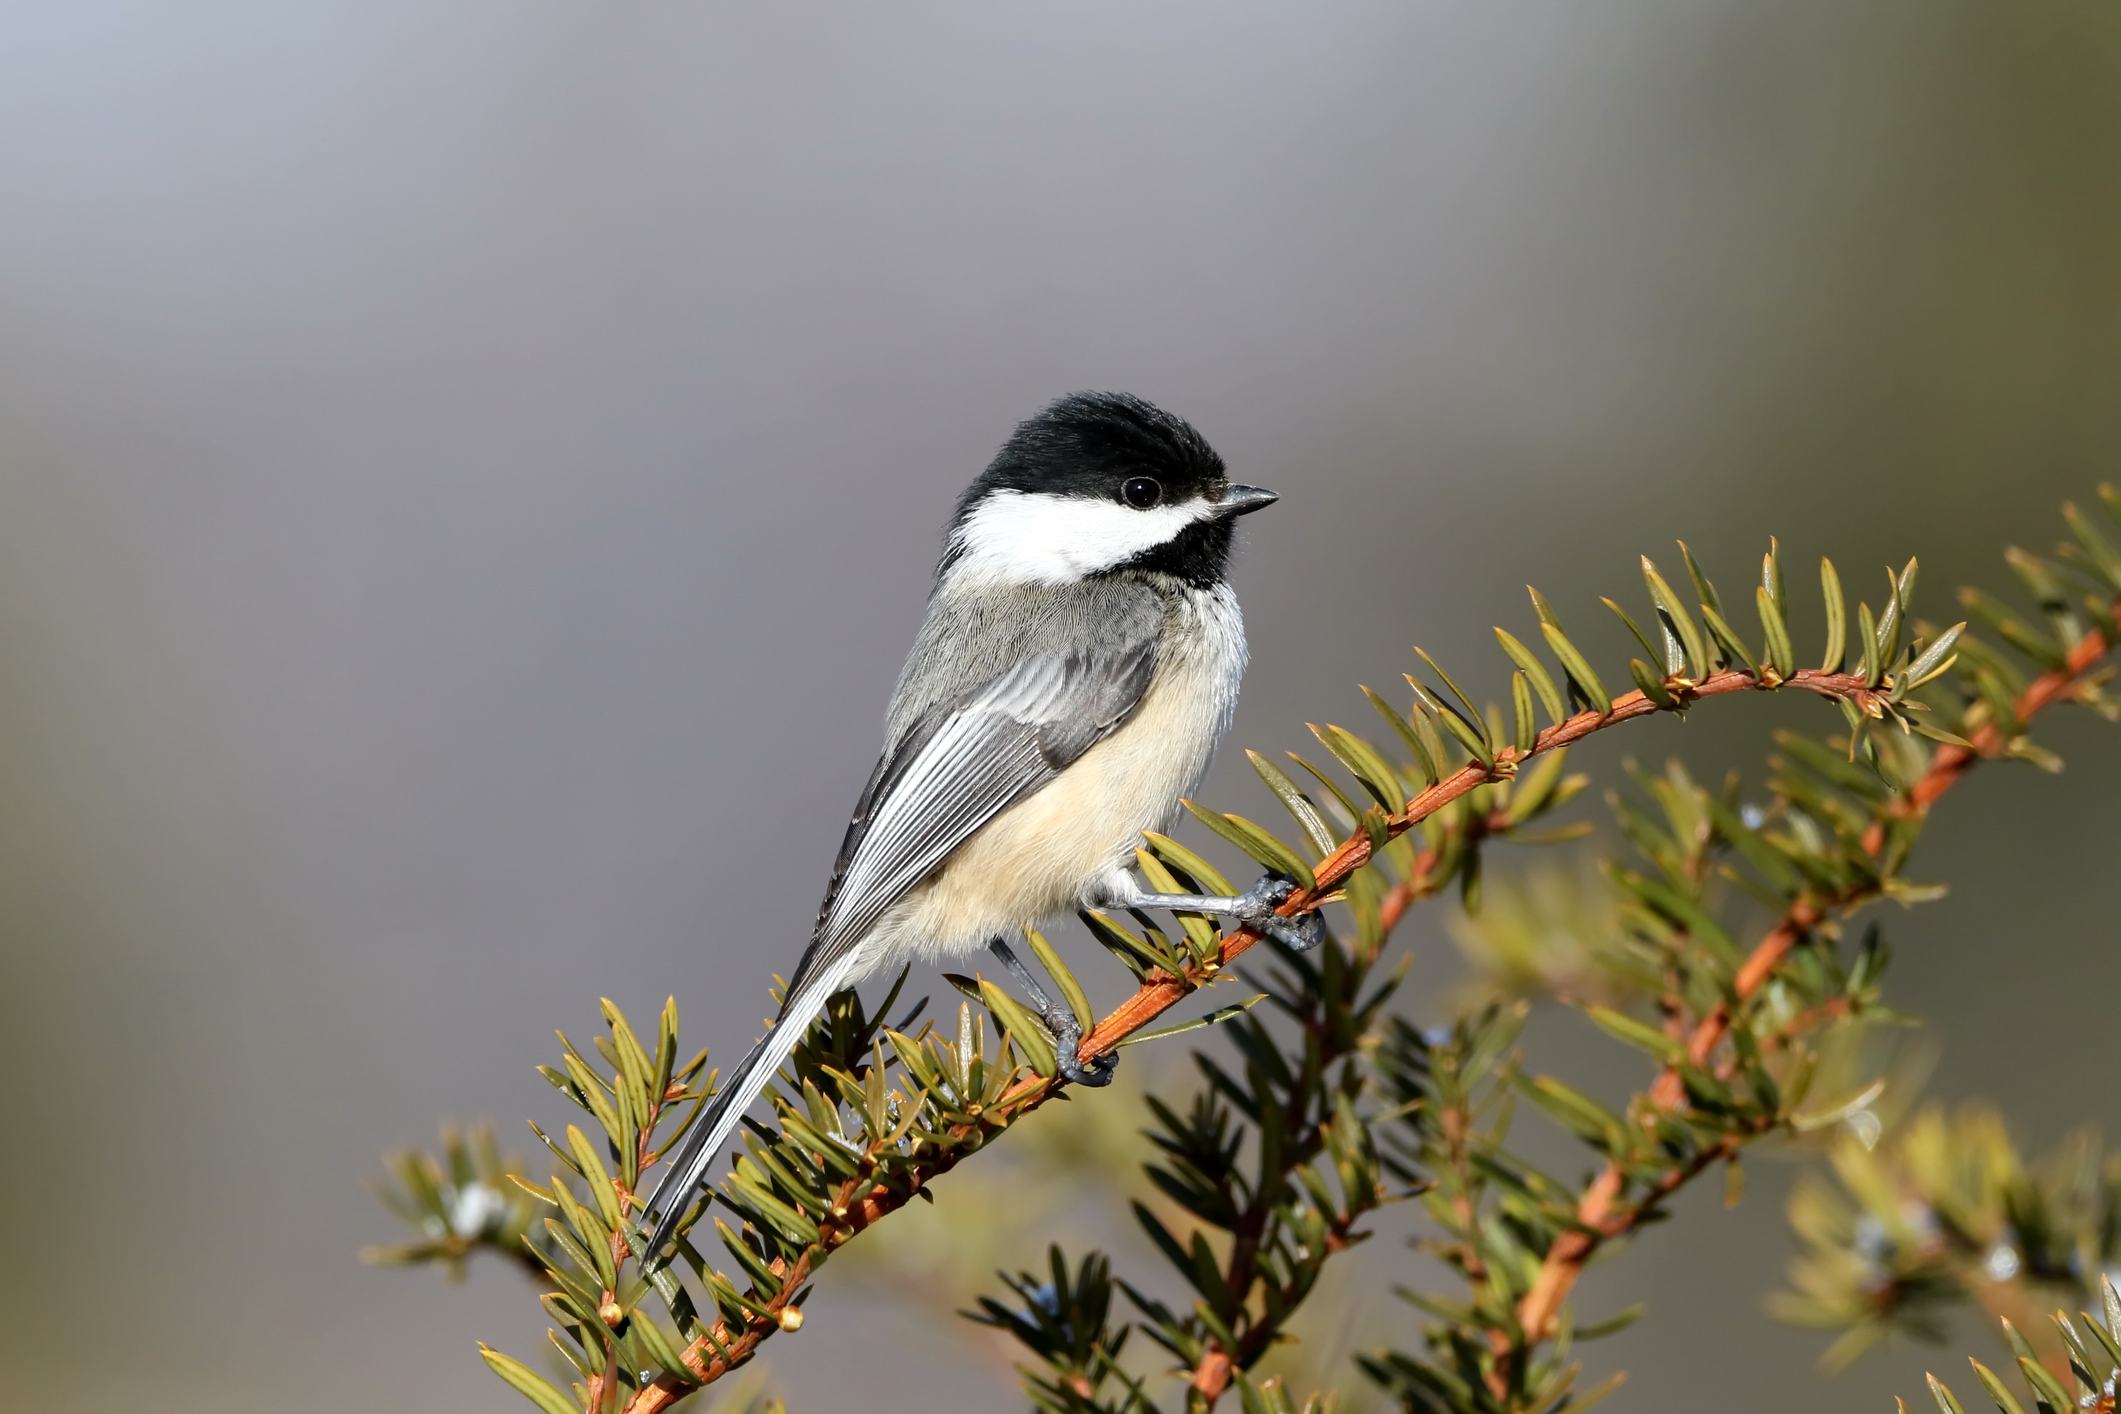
{"x":1040,"y":856}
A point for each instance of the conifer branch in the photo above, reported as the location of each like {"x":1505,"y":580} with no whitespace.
{"x":1160,"y":994}
{"x":1602,"y":1216}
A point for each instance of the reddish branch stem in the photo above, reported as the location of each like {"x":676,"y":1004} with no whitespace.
{"x":1211,"y":1377}
{"x":1162,"y":993}
{"x":1599,"y":1209}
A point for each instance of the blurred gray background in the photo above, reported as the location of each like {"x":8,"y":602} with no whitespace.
{"x":469,"y":472}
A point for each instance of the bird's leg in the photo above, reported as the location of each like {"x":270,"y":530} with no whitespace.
{"x":1253,"y":908}
{"x":1062,"y":1022}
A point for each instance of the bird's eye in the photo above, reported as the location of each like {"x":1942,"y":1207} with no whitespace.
{"x":1141,"y":492}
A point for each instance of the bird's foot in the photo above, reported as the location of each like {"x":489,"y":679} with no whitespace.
{"x":1256,"y":910}
{"x":1067,"y":1029}
{"x":1067,"y":1047}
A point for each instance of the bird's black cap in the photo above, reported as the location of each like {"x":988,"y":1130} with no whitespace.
{"x":1088,"y":444}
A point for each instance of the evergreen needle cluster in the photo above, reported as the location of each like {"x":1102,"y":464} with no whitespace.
{"x":2089,"y":1365}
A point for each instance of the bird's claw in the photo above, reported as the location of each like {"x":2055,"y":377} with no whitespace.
{"x":1256,"y":910}
{"x":1060,"y":1020}
{"x":1067,"y":1044}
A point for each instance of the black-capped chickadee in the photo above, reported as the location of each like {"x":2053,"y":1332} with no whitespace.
{"x":1078,"y":666}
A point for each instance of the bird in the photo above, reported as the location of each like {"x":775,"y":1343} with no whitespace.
{"x":1077,"y":667}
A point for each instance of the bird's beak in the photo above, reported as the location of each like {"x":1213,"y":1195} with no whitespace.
{"x":1243,"y":500}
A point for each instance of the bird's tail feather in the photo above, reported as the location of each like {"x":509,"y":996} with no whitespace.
{"x":683,"y":1171}
{"x":687,"y":1170}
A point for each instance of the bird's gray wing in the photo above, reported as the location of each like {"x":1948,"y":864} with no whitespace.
{"x":960,"y":764}
{"x":964,"y":762}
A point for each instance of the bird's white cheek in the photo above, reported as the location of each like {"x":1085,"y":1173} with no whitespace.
{"x":1022,"y":537}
